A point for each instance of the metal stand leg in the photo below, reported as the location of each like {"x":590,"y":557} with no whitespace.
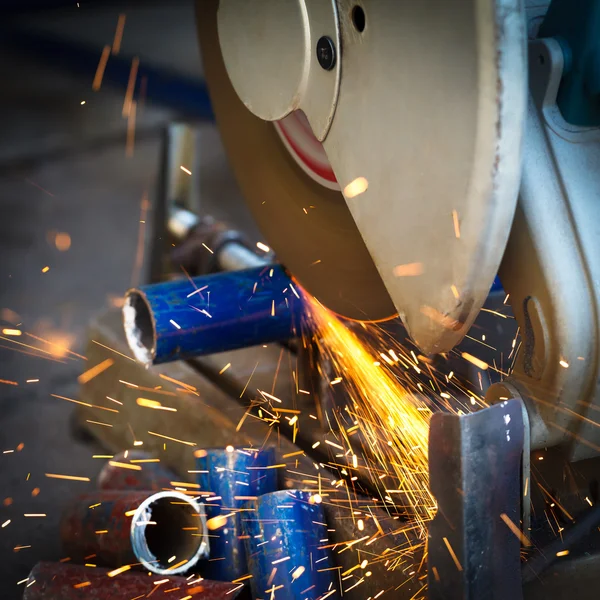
{"x":475,"y":465}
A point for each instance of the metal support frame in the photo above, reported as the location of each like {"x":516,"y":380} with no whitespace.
{"x":551,"y":268}
{"x":475,"y":465}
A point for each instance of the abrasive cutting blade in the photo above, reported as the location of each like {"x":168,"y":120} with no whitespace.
{"x":425,"y":144}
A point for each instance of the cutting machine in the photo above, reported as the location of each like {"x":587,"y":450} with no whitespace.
{"x":398,"y":155}
{"x":396,"y":158}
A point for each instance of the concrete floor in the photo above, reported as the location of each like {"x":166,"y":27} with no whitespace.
{"x":63,"y":169}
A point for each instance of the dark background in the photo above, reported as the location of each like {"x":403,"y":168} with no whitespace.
{"x":63,"y":169}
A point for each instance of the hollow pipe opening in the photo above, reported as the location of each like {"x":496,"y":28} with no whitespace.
{"x":168,"y":533}
{"x":139,"y":327}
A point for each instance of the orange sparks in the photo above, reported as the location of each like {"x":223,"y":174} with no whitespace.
{"x":524,"y":540}
{"x":177,"y":382}
{"x":135,"y":63}
{"x":177,"y":565}
{"x":480,"y":364}
{"x":409,"y":270}
{"x":356,"y":187}
{"x":8,"y":382}
{"x":62,"y":241}
{"x":382,"y":405}
{"x":116,"y":572}
{"x":115,"y":351}
{"x":82,"y":584}
{"x":166,"y":437}
{"x":263,"y":247}
{"x":45,"y":269}
{"x":444,"y":320}
{"x":218,"y":521}
{"x":70,"y":477}
{"x":113,"y":410}
{"x":456,"y":224}
{"x":184,"y":484}
{"x":11,"y":332}
{"x":116,"y":46}
{"x":121,"y":465}
{"x":101,"y":67}
{"x":453,"y":554}
{"x":147,"y":403}
{"x":59,"y":343}
{"x":130,"y":141}
{"x":293,"y":454}
{"x":185,"y":169}
{"x":95,"y":371}
{"x":98,"y":423}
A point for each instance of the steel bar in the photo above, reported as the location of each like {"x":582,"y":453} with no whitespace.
{"x":213,"y":313}
{"x":234,"y":476}
{"x":475,"y":475}
{"x":230,"y":250}
{"x":142,"y":474}
{"x":285,"y":534}
{"x":163,"y":532}
{"x":66,"y":581}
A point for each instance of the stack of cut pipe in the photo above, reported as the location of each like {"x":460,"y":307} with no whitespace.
{"x":135,"y":525}
{"x":144,"y":535}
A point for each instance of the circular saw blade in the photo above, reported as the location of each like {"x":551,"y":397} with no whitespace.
{"x":425,"y":144}
{"x":307,"y":225}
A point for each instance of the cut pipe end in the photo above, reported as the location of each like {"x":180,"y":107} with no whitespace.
{"x":139,"y":327}
{"x":168,"y":533}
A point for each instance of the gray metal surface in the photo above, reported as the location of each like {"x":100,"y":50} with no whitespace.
{"x":475,"y":475}
{"x":569,"y":578}
{"x":269,"y":49}
{"x":551,"y":267}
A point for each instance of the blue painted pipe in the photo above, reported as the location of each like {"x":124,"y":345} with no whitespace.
{"x":286,"y":530}
{"x":213,"y":313}
{"x":234,"y":475}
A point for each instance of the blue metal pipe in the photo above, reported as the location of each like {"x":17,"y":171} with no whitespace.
{"x":286,"y":543}
{"x":234,"y":476}
{"x":212,"y":313}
